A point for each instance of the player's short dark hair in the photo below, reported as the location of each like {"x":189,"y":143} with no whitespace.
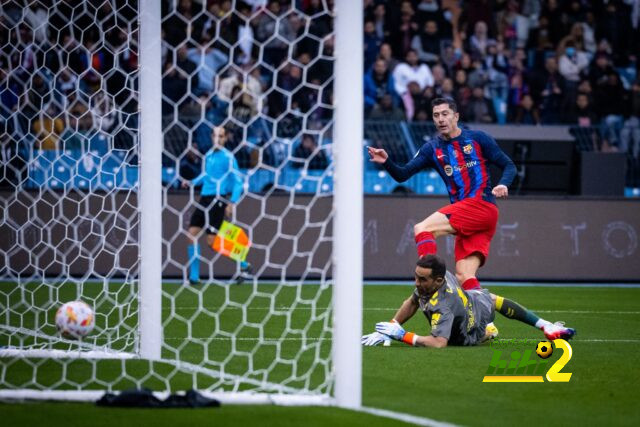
{"x":439,"y":101}
{"x":435,"y":263}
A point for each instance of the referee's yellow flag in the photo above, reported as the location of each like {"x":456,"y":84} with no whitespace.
{"x":232,"y":241}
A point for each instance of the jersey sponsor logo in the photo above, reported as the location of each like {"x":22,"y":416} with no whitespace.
{"x":448,"y":170}
{"x":467,"y":165}
{"x":467,"y":149}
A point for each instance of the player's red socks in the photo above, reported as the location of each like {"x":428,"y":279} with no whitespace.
{"x":470,"y":284}
{"x":426,"y":244}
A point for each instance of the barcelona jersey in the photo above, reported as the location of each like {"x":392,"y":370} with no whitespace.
{"x":463,"y":164}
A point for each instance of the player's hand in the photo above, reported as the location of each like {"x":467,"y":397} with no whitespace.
{"x":378,"y":155}
{"x":228,"y":211}
{"x":184,"y":184}
{"x":500,"y":191}
{"x":374,"y":338}
{"x":391,"y":329}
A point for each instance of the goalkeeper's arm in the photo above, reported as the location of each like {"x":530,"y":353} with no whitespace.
{"x":406,"y":310}
{"x":395,"y":331}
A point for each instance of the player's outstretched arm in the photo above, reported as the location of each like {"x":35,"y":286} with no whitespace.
{"x":397,"y":332}
{"x":404,"y":313}
{"x":399,"y":173}
{"x":406,"y":310}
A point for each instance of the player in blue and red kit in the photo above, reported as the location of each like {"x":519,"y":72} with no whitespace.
{"x":462,"y":158}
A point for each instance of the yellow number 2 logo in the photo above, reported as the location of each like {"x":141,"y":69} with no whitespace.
{"x":554,"y":374}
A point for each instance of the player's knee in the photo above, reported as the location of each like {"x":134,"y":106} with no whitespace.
{"x":460,"y":277}
{"x":210,"y":238}
{"x":421,"y":227}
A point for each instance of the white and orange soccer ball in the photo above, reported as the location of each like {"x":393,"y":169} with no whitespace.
{"x":75,"y":320}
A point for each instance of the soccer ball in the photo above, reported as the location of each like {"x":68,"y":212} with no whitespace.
{"x":544,"y":349}
{"x":75,"y":320}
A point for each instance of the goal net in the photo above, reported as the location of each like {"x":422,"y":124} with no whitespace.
{"x":108,"y":156}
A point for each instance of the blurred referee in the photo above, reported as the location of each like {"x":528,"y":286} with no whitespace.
{"x":220,"y":177}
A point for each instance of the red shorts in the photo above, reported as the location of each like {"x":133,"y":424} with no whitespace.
{"x":475,"y":223}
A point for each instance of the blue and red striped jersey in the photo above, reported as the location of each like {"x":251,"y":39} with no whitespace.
{"x":462,"y":162}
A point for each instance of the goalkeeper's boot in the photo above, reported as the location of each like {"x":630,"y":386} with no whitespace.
{"x":554,"y":331}
{"x":491,"y":331}
{"x":246,"y":271}
{"x":194,"y":282}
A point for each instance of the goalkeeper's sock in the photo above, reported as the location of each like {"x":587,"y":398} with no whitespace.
{"x":515,"y":311}
{"x":194,"y":262}
{"x":426,"y":244}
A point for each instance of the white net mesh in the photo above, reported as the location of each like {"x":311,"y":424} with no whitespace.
{"x":69,"y":197}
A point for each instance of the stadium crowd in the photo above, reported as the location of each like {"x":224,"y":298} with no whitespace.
{"x":266,"y":66}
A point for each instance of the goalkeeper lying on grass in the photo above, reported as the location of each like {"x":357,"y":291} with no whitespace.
{"x":457,"y":317}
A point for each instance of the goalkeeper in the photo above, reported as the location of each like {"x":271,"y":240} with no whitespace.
{"x":220,"y":177}
{"x":457,"y":317}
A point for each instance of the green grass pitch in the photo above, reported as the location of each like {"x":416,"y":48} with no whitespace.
{"x":444,"y":385}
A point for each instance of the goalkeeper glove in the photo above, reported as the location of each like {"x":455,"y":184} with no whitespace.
{"x":374,"y":338}
{"x":396,"y":332}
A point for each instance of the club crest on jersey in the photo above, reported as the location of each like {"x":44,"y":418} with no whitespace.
{"x":467,"y":149}
{"x":448,"y":170}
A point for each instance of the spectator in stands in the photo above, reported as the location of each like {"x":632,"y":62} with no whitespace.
{"x":588,"y":32}
{"x":308,"y":151}
{"x":479,"y":76}
{"x":66,"y":84}
{"x":379,"y":19}
{"x":386,"y":53}
{"x":553,"y":15}
{"x":446,"y":90}
{"x":611,"y":100}
{"x":630,"y":133}
{"x":288,"y":79}
{"x":427,"y":43}
{"x":599,"y":70}
{"x":378,"y":82}
{"x":549,"y":84}
{"x":386,"y":110}
{"x":372,"y":43}
{"x":575,"y":38}
{"x":402,"y":36}
{"x":176,"y":25}
{"x":208,"y":60}
{"x":191,"y":163}
{"x":439,"y":74}
{"x":479,"y":40}
{"x":495,"y":58}
{"x":512,"y":26}
{"x":187,"y":68}
{"x":518,"y":88}
{"x":583,"y":114}
{"x":235,"y":77}
{"x":105,"y":116}
{"x":423,"y":107}
{"x":37,"y":96}
{"x":48,"y":127}
{"x":527,"y":113}
{"x":174,"y":88}
{"x":411,"y":99}
{"x":480,"y":109}
{"x":411,"y":71}
{"x":462,"y":89}
{"x":266,"y":25}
